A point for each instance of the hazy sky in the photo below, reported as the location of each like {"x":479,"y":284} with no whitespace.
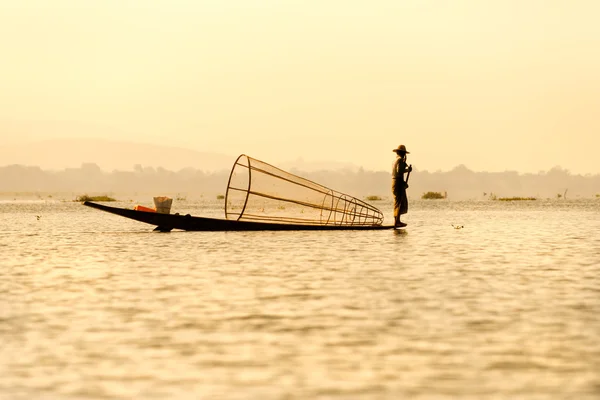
{"x":495,"y":85}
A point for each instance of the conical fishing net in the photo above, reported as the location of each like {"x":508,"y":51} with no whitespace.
{"x":260,"y":192}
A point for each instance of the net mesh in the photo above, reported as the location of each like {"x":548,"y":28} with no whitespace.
{"x":260,"y":192}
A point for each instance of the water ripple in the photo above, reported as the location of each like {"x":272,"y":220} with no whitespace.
{"x":95,"y":306}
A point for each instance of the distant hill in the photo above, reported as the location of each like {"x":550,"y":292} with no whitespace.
{"x":27,"y":143}
{"x":110,"y":155}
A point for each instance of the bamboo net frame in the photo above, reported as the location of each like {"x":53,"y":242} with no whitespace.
{"x":260,"y":192}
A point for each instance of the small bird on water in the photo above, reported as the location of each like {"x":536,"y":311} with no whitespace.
{"x":457,"y":226}
{"x":38,"y":217}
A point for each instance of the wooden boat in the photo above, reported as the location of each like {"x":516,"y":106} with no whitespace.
{"x":168,"y":222}
{"x":292,"y":203}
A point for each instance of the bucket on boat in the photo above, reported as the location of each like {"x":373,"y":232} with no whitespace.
{"x":163,"y":204}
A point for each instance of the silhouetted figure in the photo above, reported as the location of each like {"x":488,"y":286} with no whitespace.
{"x":399,"y":185}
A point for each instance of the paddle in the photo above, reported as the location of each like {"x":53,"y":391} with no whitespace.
{"x":408,"y":175}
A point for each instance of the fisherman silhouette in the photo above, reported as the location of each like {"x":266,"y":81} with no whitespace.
{"x":399,"y":185}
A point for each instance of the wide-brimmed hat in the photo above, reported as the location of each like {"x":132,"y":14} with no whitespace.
{"x":401,"y":149}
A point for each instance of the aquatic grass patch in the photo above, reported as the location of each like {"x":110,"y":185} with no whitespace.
{"x":220,"y":197}
{"x":373,"y":198}
{"x":85,"y":197}
{"x":517,"y":198}
{"x":433,"y":196}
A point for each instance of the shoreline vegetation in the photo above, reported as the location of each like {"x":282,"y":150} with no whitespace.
{"x":85,"y":197}
{"x":461,"y":182}
{"x":145,"y":195}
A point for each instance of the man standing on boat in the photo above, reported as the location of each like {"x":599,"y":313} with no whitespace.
{"x":399,"y":185}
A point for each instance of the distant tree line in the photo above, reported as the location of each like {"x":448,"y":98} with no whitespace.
{"x":459,"y":183}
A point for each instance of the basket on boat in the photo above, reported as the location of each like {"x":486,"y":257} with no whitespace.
{"x":260,"y":192}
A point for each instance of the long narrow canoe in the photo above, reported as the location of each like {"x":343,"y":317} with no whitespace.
{"x":168,"y":222}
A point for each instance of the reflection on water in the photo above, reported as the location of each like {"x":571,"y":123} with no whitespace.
{"x":97,"y":306}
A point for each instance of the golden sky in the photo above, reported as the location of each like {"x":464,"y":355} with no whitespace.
{"x":495,"y":85}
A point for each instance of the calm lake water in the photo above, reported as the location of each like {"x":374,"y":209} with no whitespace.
{"x":95,"y":306}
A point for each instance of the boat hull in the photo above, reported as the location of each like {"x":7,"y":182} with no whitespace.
{"x":168,"y":222}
